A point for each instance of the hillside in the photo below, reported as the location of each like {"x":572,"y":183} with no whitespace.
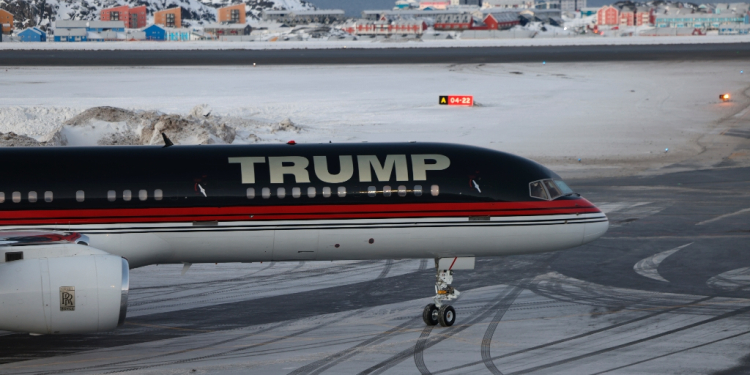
{"x":41,"y":13}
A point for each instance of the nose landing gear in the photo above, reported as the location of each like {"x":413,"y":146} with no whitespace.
{"x":439,"y":312}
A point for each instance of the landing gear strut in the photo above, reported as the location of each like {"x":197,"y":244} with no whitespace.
{"x":439,"y":312}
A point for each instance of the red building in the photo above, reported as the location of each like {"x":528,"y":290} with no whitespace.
{"x":367,"y":27}
{"x":608,"y":15}
{"x":627,"y":16}
{"x":501,"y":21}
{"x":134,"y":18}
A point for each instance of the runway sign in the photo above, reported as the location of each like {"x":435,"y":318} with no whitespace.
{"x":464,"y":100}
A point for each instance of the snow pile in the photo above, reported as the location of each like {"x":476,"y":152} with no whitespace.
{"x":117,"y":126}
{"x":15,"y":140}
{"x":285,"y":126}
{"x":111,"y":126}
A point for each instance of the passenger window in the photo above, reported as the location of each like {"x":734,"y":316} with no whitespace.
{"x":265,"y":193}
{"x":552,"y":189}
{"x":418,"y":190}
{"x":402,"y":191}
{"x":281,"y":193}
{"x":371,"y":191}
{"x":80,"y":196}
{"x":143,"y":195}
{"x":127,"y":195}
{"x":2,"y":197}
{"x":250,"y":193}
{"x":386,"y":191}
{"x":326,"y":192}
{"x":158,"y":194}
{"x":111,"y":195}
{"x":435,"y":190}
{"x":311,"y":192}
{"x":341,"y":191}
{"x":32,"y":196}
{"x":536,"y":190}
{"x":16,"y":196}
{"x":48,"y":196}
{"x":296,"y":192}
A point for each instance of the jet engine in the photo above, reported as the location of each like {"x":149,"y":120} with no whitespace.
{"x":62,"y":289}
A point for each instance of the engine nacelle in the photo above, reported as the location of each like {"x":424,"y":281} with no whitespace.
{"x":68,"y":294}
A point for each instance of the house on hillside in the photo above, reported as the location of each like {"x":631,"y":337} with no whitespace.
{"x":133,"y":18}
{"x":608,"y":15}
{"x":171,"y":17}
{"x":85,"y":31}
{"x":223,"y":29}
{"x":155,"y":32}
{"x":232,"y":14}
{"x":501,"y":20}
{"x":32,"y":34}
{"x":6,"y":21}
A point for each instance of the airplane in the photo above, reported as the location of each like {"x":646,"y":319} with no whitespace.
{"x":75,"y":220}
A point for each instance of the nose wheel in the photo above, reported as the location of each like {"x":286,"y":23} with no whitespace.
{"x":439,"y":312}
{"x":444,"y":315}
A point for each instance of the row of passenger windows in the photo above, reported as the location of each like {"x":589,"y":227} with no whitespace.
{"x":32,"y":196}
{"x":326,"y":192}
{"x":127,"y":195}
{"x":312,"y":192}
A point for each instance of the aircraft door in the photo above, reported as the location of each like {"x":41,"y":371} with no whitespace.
{"x":295,"y":244}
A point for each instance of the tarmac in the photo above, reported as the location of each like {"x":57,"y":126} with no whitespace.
{"x":354,"y":56}
{"x":666,"y":291}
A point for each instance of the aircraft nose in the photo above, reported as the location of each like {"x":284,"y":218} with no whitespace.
{"x":595,"y":230}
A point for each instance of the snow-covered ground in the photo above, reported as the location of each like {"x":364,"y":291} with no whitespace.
{"x":616,"y":117}
{"x":544,"y":39}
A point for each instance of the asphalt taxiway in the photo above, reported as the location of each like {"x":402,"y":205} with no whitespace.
{"x":667,"y":290}
{"x":355,"y":56}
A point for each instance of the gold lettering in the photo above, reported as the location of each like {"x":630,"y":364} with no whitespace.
{"x":346,"y":171}
{"x":382,"y":172}
{"x":247,"y":167}
{"x":297,"y":169}
{"x":420,"y":167}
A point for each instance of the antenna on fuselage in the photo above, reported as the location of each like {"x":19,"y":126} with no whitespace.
{"x":167,"y":141}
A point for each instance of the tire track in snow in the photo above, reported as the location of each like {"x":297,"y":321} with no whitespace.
{"x":449,"y":332}
{"x":487,"y":340}
{"x":386,"y":269}
{"x":419,"y":351}
{"x":579,"y":336}
{"x":634,"y":342}
{"x":334,"y":359}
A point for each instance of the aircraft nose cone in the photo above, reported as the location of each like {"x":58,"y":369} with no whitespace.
{"x":593,"y":231}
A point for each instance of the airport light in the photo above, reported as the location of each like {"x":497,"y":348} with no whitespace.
{"x":724,"y":97}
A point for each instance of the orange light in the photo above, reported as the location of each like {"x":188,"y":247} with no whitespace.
{"x":724,"y":97}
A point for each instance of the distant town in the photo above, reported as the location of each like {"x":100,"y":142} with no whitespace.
{"x":407,"y":20}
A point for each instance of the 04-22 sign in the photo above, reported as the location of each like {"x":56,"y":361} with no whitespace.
{"x":462,"y":100}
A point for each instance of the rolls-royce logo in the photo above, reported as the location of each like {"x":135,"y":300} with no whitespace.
{"x":67,"y":298}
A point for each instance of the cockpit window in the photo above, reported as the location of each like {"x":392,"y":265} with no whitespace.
{"x":552,"y":189}
{"x":549,"y":189}
{"x":537,"y":190}
{"x":564,"y":188}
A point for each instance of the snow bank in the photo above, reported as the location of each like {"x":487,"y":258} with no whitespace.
{"x":615,"y":117}
{"x":106,"y":126}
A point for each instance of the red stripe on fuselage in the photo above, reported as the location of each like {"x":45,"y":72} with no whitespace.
{"x":312,"y":212}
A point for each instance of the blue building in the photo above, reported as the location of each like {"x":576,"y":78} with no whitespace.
{"x":155,"y":32}
{"x":32,"y":34}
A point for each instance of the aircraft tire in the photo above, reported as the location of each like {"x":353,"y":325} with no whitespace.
{"x":430,"y":315}
{"x":447,"y":315}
